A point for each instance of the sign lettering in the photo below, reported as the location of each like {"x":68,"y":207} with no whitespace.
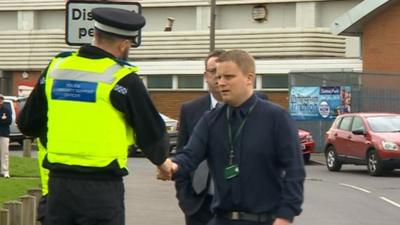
{"x":80,"y":23}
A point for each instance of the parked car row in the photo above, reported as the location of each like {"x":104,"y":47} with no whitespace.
{"x":370,"y":139}
{"x":15,"y":104}
{"x":307,"y":144}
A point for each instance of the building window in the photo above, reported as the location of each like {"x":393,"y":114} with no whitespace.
{"x":270,"y":81}
{"x":159,"y":81}
{"x":186,"y":81}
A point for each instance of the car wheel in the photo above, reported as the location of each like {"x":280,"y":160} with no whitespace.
{"x":374,"y":164}
{"x":331,"y":162}
{"x":306,"y":158}
{"x":134,"y":151}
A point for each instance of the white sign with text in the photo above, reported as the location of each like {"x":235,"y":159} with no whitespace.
{"x":79,"y":20}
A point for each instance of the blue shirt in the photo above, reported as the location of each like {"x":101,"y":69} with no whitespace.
{"x":271,"y":170}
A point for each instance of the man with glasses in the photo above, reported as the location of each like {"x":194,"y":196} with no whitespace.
{"x":194,"y":193}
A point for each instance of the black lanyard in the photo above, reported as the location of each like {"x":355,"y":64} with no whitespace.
{"x":238,"y":131}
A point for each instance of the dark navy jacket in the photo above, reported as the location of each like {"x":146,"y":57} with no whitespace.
{"x":5,"y":123}
{"x":191,"y":112}
{"x":271,"y":169}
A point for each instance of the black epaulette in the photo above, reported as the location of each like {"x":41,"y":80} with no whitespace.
{"x":64,"y":54}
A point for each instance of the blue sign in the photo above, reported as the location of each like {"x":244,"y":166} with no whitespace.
{"x":319,"y":103}
{"x":71,"y":90}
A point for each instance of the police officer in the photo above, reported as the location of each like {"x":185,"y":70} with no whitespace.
{"x":87,"y":108}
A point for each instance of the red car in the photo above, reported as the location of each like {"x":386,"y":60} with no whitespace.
{"x":307,"y":144}
{"x":371,"y":139}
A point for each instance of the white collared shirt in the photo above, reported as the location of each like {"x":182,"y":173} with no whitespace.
{"x":213,"y":101}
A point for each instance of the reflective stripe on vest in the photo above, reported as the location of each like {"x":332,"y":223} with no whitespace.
{"x":69,"y":74}
{"x":84,"y":129}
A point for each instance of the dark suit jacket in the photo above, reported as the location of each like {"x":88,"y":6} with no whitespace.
{"x":191,"y":112}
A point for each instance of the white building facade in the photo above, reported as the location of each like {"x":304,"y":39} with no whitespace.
{"x":293,"y":35}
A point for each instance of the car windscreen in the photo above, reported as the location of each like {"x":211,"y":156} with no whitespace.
{"x":384,"y":123}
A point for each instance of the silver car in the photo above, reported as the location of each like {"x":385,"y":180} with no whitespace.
{"x":15,"y":105}
{"x":171,"y":126}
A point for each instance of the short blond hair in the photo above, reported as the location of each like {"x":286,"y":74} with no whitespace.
{"x":241,"y":58}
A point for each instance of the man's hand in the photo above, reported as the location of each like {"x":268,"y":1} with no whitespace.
{"x":165,"y":170}
{"x":280,"y":221}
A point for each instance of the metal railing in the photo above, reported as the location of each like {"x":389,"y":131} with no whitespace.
{"x":370,"y":92}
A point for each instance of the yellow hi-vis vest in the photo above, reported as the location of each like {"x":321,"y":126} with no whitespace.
{"x":84,"y":129}
{"x":44,"y":173}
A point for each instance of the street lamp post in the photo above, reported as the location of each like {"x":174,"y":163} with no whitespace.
{"x":212,"y":25}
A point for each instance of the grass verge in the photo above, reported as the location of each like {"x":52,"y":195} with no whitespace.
{"x":24,"y":175}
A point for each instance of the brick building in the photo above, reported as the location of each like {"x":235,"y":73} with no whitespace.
{"x":376,"y":22}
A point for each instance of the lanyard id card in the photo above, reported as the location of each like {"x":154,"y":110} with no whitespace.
{"x":231,"y":171}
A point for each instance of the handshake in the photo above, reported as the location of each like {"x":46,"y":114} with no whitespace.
{"x":166,"y":170}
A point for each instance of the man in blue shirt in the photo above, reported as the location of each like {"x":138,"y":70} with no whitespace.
{"x":252,"y":150}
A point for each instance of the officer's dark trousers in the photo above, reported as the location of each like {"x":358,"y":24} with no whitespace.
{"x":203,"y":215}
{"x":42,"y":210}
{"x":74,"y":201}
{"x":222,"y":221}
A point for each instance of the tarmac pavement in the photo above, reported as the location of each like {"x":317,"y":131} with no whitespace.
{"x":152,"y":202}
{"x":149,"y":201}
{"x":318,"y":158}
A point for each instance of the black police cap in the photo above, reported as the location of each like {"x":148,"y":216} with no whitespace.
{"x":118,"y":21}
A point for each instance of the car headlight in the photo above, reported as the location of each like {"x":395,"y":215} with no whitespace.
{"x":390,"y":146}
